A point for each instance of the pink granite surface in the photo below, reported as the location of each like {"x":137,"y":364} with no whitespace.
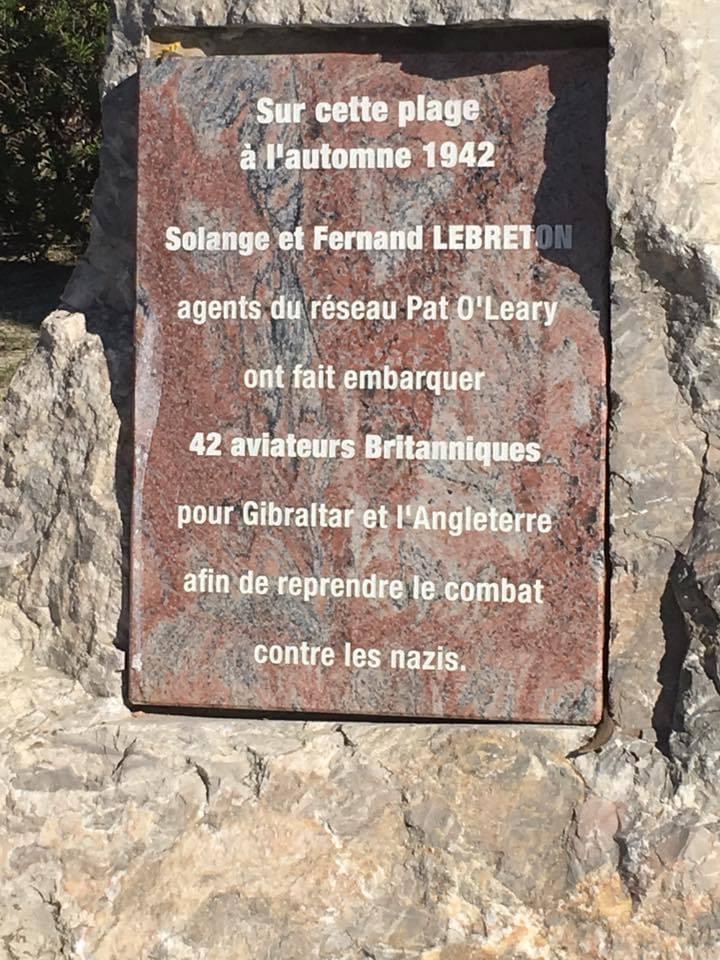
{"x":542,"y":384}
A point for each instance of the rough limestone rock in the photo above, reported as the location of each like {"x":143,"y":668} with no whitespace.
{"x":59,"y":515}
{"x":171,"y":837}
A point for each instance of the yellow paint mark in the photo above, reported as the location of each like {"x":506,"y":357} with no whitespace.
{"x":175,"y":49}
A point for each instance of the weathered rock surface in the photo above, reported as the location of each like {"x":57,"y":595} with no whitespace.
{"x":59,"y":514}
{"x":175,"y":837}
{"x":169,"y":837}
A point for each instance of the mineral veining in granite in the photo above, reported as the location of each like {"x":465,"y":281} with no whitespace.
{"x":543,"y":384}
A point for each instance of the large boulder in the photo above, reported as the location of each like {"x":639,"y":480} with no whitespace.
{"x":196,"y":837}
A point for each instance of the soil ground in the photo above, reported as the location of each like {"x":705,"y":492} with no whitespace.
{"x":28,"y":292}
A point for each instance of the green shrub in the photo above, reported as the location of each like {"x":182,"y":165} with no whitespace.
{"x":50,"y":59}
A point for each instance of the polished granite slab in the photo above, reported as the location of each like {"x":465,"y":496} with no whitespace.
{"x":422,"y":423}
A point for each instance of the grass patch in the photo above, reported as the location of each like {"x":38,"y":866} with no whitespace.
{"x":16,"y":342}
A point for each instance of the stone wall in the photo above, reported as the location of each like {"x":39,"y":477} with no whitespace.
{"x":170,"y":837}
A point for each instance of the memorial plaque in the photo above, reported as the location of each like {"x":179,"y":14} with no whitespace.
{"x":370,"y":418}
